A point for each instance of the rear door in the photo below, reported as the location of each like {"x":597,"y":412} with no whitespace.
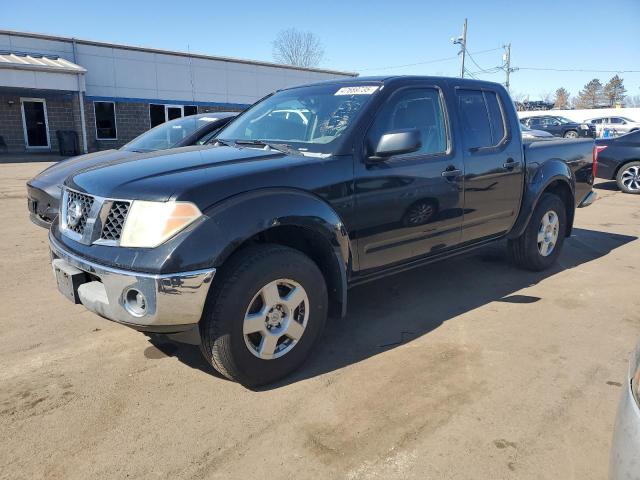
{"x":493,"y":163}
{"x":408,"y":205}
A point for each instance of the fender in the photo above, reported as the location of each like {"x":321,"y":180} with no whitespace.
{"x":539,"y":178}
{"x":220,"y":234}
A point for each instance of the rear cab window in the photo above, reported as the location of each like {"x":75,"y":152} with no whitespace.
{"x":482,"y":118}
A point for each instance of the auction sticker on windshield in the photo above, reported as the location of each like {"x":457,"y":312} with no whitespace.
{"x":362,"y":90}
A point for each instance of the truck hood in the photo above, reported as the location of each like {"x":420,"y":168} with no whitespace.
{"x":53,"y":177}
{"x":200,"y":174}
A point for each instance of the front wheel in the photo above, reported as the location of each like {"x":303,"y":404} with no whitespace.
{"x":628,"y":178}
{"x":265,"y":314}
{"x":541,"y":242}
{"x":571,"y":134}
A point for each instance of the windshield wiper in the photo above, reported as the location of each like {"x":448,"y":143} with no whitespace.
{"x":281,"y":147}
{"x":226,"y":143}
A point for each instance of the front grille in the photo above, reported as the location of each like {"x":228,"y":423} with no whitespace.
{"x":85,"y":202}
{"x":114,"y":223}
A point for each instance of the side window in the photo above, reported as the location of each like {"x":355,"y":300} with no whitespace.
{"x":475,"y":119}
{"x":616,"y":120}
{"x":496,"y":116}
{"x":418,"y":108}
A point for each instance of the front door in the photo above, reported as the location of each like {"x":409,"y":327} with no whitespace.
{"x":34,"y":122}
{"x":493,"y":165}
{"x":408,"y":205}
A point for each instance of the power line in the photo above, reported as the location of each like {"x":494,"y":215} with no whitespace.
{"x":584,"y":70}
{"x":425,"y":62}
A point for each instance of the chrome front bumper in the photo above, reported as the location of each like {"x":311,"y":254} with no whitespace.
{"x":624,"y":463}
{"x":174,"y":302}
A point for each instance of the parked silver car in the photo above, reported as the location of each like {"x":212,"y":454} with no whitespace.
{"x":621,"y":125}
{"x":625,"y":449}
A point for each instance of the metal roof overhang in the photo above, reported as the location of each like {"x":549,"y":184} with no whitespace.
{"x":44,"y":72}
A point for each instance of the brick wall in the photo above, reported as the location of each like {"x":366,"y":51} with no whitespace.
{"x":60,"y":116}
{"x":132,"y":119}
{"x":63,"y":113}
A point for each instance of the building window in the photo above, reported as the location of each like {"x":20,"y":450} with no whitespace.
{"x":156,"y":114}
{"x":160,"y":113}
{"x":105,"y":120}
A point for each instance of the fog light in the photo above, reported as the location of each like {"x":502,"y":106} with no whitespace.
{"x":135,"y":302}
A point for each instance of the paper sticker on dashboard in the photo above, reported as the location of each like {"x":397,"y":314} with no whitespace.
{"x":362,"y":90}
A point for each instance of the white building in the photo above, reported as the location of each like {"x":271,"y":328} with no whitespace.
{"x":110,"y":93}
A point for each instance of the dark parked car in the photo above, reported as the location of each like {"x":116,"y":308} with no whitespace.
{"x":44,"y":189}
{"x":560,"y":126}
{"x":251,"y":242}
{"x":619,"y":160}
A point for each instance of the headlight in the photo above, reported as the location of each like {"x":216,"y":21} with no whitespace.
{"x":584,"y":126}
{"x":149,"y":224}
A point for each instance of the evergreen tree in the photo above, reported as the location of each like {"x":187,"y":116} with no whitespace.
{"x":591,"y":96}
{"x":614,"y":91}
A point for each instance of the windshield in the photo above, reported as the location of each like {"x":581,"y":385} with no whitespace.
{"x":308,"y":119}
{"x":564,"y":120}
{"x":167,"y":134}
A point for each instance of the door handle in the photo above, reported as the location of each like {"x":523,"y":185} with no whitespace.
{"x":510,"y":164}
{"x":451,"y":172}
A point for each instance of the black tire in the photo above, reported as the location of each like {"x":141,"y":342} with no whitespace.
{"x":524,"y":250}
{"x":625,"y":170}
{"x":570,"y":134}
{"x":242,"y":277}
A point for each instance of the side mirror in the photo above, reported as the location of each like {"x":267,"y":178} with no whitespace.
{"x":397,"y":142}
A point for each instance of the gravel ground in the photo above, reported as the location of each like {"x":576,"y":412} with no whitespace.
{"x":465,"y":369}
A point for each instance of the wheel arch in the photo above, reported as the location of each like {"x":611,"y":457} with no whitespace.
{"x":553,"y":176}
{"x":294,"y":218}
{"x":622,"y":164}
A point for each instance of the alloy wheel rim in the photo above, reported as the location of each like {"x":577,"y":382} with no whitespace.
{"x":420,"y":214}
{"x":548,"y":233}
{"x":630,"y":178}
{"x":276,"y":319}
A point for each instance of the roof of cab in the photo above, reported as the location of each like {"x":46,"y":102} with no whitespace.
{"x":393,"y":79}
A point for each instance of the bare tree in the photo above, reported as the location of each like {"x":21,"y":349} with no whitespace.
{"x":302,"y":49}
{"x":633,"y":101}
{"x":546,"y":97}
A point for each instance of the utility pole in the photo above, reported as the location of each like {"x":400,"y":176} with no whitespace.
{"x":462,"y":41}
{"x":507,"y":64}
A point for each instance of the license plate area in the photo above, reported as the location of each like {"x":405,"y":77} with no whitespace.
{"x":68,"y":279}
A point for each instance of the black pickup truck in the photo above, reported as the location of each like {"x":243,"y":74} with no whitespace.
{"x":253,"y":241}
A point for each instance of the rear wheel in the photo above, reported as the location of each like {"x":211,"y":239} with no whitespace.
{"x":540,"y":244}
{"x":265,"y":315}
{"x":628,"y":178}
{"x":571,"y":134}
